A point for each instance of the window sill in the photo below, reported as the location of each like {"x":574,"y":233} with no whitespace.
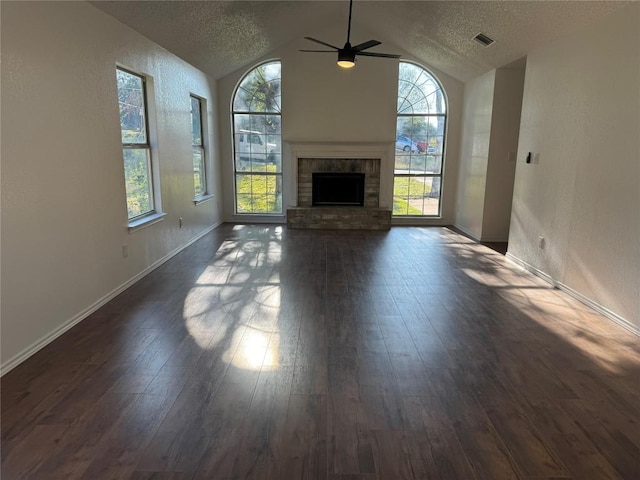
{"x":263,"y":214}
{"x":202,"y":199}
{"x":140,"y":223}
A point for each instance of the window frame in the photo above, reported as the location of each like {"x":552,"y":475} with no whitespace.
{"x":432,"y":176}
{"x":204,"y":163}
{"x":154,"y":214}
{"x":278,"y":175}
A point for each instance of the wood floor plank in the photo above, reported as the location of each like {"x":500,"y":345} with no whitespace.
{"x":486,"y":451}
{"x":31,"y":451}
{"x":441,"y":451}
{"x":78,"y":446}
{"x":514,"y":425}
{"x":272,"y":354}
{"x":306,"y":436}
{"x":119,"y":451}
{"x":146,"y":475}
{"x":397,"y":455}
{"x":37,"y":402}
{"x":343,"y":416}
{"x":574,"y":448}
{"x":261,"y":449}
{"x":612,"y":444}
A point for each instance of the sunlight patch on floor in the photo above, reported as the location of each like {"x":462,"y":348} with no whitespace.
{"x":255,"y":350}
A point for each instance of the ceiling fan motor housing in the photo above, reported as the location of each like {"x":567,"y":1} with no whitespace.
{"x":347,"y":54}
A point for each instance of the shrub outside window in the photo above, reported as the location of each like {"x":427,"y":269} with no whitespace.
{"x":136,"y":150}
{"x":257,"y":140}
{"x":420,"y":140}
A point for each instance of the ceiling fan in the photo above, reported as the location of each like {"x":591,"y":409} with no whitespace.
{"x":347,"y":54}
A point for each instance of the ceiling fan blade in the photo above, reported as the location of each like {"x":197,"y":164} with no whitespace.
{"x":318,"y":51}
{"x":372,"y":54}
{"x":365,"y":45}
{"x":321,"y":42}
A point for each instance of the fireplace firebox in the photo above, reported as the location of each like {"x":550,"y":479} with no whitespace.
{"x":333,"y":188}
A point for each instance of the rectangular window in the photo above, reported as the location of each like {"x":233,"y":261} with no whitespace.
{"x":136,"y":150}
{"x":197,"y":146}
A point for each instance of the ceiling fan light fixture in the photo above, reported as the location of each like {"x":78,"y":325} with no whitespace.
{"x":346,"y":63}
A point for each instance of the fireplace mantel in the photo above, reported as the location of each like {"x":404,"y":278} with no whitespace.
{"x":348,"y":150}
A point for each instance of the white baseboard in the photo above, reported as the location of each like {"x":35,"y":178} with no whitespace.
{"x":473,"y":236}
{"x":467,"y":232}
{"x":50,"y":337}
{"x":418,"y":222}
{"x":577,"y":295}
{"x":494,"y":239}
{"x":256,"y":219}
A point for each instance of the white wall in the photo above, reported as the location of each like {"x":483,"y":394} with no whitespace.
{"x":323,"y":103}
{"x":501,"y":168}
{"x":64,"y":215}
{"x":474,"y":153}
{"x":581,"y":114}
{"x":489,"y":141}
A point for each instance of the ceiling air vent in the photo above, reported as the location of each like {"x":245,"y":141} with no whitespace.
{"x":482,"y":39}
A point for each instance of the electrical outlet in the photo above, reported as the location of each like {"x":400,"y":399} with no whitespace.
{"x":536,"y":159}
{"x":180,"y":222}
{"x":541,"y":242}
{"x":125,"y":250}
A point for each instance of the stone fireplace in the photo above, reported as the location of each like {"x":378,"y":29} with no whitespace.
{"x":342,"y":165}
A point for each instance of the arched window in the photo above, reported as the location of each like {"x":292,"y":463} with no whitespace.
{"x":420,"y":140}
{"x":257,"y":142}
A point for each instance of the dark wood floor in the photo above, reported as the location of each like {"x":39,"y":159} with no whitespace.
{"x":267,"y":353}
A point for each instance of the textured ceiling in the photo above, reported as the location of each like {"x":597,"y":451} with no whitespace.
{"x":218,"y":37}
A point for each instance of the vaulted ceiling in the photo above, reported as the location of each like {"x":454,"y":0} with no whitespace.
{"x":218,"y":37}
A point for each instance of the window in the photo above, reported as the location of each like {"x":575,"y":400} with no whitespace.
{"x":136,"y":150}
{"x":420,"y":140}
{"x":257,"y":140}
{"x":197,"y":146}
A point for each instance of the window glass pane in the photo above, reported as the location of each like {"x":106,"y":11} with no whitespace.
{"x":418,"y":92}
{"x":258,"y":143}
{"x":259,"y":91}
{"x":198,"y":171}
{"x":272,"y":124}
{"x":275,"y":160}
{"x":137,"y":173}
{"x":416,"y":195}
{"x":132,"y":107}
{"x":199,"y":164}
{"x":258,"y":193}
{"x":196,"y":122}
